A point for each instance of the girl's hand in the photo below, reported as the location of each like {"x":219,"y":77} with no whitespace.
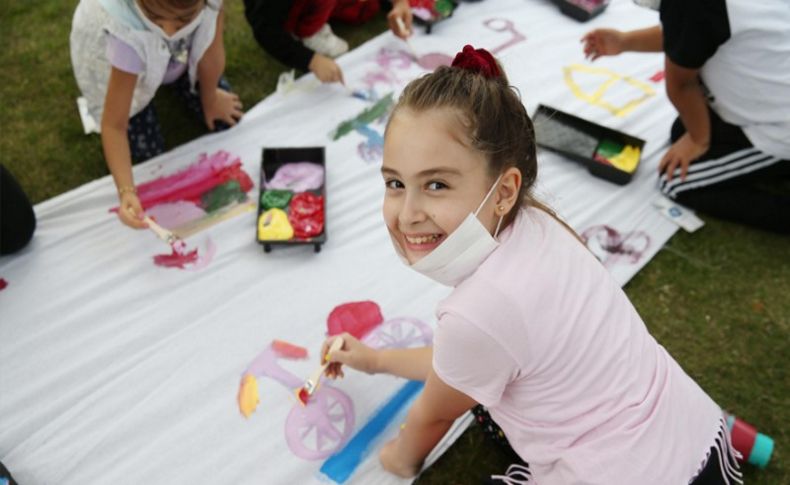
{"x":400,"y":10}
{"x":223,"y":106}
{"x":325,"y":69}
{"x":602,"y":42}
{"x":394,"y":463}
{"x":131,"y":211}
{"x":353,"y":353}
{"x":681,"y":154}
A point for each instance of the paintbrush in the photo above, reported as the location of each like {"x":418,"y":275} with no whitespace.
{"x":403,"y":30}
{"x":311,"y":384}
{"x":161,"y":232}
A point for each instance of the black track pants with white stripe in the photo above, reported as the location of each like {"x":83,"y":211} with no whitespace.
{"x":733,"y":180}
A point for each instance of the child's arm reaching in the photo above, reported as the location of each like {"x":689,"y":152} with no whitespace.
{"x":217,"y":103}
{"x":432,"y":414}
{"x":325,"y":69}
{"x":400,"y":10}
{"x":115,"y":143}
{"x":412,"y":364}
{"x":683,"y":89}
{"x":267,"y":19}
{"x":610,"y":42}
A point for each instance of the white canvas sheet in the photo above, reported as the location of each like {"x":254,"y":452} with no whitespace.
{"x":114,"y":370}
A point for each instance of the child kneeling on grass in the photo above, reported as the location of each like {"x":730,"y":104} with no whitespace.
{"x":122,"y":51}
{"x":536,"y":330}
{"x":297,"y":32}
{"x":727,"y":66}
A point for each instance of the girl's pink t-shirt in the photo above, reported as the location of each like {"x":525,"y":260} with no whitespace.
{"x":543,"y":337}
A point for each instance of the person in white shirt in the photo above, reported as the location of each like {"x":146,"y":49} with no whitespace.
{"x":728,"y":76}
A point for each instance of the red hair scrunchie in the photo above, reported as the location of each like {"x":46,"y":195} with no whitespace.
{"x":477,"y":60}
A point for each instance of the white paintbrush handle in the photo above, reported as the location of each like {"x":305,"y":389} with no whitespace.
{"x":403,"y":30}
{"x":312,"y":382}
{"x":401,"y":26}
{"x":160,"y":231}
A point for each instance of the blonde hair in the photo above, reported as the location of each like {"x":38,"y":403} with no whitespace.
{"x":495,"y":121}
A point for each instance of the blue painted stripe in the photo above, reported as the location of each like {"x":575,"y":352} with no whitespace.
{"x":342,"y":464}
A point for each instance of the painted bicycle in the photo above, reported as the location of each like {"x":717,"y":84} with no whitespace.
{"x":319,"y":428}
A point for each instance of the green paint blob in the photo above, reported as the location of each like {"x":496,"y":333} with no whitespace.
{"x":222,"y":195}
{"x":609,"y":149}
{"x":444,"y":7}
{"x":276,"y":199}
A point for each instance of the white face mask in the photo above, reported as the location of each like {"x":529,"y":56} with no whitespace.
{"x":653,"y":4}
{"x":462,"y":252}
{"x":180,"y":34}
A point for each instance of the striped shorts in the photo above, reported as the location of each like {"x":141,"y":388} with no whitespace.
{"x":733,"y":180}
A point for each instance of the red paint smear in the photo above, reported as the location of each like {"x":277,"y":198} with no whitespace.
{"x":303,"y":395}
{"x":3,"y":283}
{"x":288,"y":350}
{"x":357,"y":318}
{"x":176,"y":259}
{"x":192,"y":182}
{"x":657,"y":77}
{"x":601,"y":159}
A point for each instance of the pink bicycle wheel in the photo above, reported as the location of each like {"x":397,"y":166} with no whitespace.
{"x":316,"y":431}
{"x":401,"y":332}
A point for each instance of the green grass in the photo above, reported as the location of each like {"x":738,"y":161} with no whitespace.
{"x":718,"y":300}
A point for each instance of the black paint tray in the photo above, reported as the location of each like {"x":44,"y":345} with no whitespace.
{"x":271,"y":161}
{"x":582,"y":10}
{"x":580,"y":140}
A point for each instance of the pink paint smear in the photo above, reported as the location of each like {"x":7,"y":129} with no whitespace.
{"x":192,"y":182}
{"x":182,"y":258}
{"x":171,"y":215}
{"x":433,"y":60}
{"x":657,"y":77}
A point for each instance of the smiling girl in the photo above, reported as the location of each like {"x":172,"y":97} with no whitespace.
{"x":122,"y":51}
{"x":535,"y":329}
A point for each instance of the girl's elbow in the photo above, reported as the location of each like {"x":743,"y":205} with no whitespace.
{"x":109,"y":125}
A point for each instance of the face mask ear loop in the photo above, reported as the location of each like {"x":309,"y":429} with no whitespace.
{"x":490,"y":191}
{"x":498,"y":225}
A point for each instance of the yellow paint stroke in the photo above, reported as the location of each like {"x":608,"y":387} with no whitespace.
{"x":627,"y":159}
{"x":610,"y":79}
{"x":248,"y":395}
